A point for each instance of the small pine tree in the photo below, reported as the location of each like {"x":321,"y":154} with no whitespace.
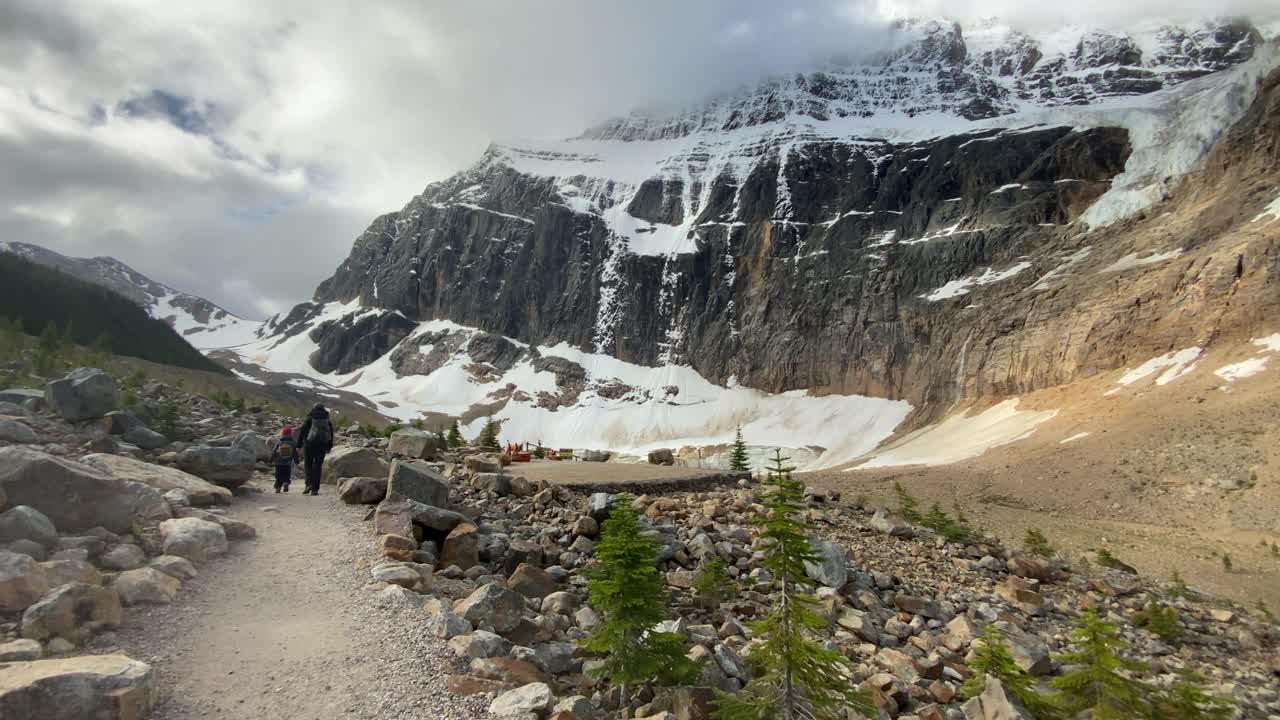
{"x":539,"y":451}
{"x":712,"y":584}
{"x":738,"y":459}
{"x":455,"y":435}
{"x":418,"y":423}
{"x":1161,"y":620}
{"x":627,"y":589}
{"x":1177,"y":587}
{"x":1106,"y":559}
{"x":489,"y":436}
{"x":908,"y":506}
{"x":992,"y":657}
{"x":1187,"y":699}
{"x":1097,"y":682}
{"x":796,"y":675}
{"x":1226,"y":563}
{"x":1036,"y":543}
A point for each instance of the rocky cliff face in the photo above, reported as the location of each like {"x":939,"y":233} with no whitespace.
{"x":910,"y":228}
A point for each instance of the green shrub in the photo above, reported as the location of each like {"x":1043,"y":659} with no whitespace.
{"x":1161,"y":620}
{"x":1035,"y":543}
{"x":908,"y":506}
{"x":712,"y":585}
{"x":993,"y":658}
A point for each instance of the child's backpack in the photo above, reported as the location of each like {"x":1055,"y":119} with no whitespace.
{"x":321,"y":432}
{"x":284,"y":452}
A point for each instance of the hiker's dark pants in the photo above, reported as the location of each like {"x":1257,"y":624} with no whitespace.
{"x":314,"y":459}
{"x":283,"y":473}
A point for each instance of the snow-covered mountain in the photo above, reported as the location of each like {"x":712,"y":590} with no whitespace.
{"x":199,"y":321}
{"x":819,"y":258}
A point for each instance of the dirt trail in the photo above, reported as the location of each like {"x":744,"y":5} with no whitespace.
{"x":281,"y":628}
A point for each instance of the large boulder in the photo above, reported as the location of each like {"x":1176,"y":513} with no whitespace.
{"x":416,"y":480}
{"x":73,"y":612}
{"x":258,"y":445}
{"x":531,"y":581}
{"x":347,"y":461}
{"x":146,"y":586}
{"x":20,"y":396}
{"x":535,"y":698}
{"x":461,"y":547}
{"x":61,"y":572}
{"x":496,"y":483}
{"x":84,"y":394}
{"x":416,"y":444}
{"x":492,"y":606}
{"x":75,"y":496}
{"x":484,"y":463}
{"x":662,"y":456}
{"x":16,"y":432}
{"x":393,"y":517}
{"x":145,"y":438}
{"x":994,"y":704}
{"x":435,"y":518}
{"x":27,"y":523}
{"x":831,"y":569}
{"x":87,"y":687}
{"x":200,"y":492}
{"x":362,"y":490}
{"x":22,"y":581}
{"x":192,"y":538}
{"x":229,"y":467}
{"x":125,"y":556}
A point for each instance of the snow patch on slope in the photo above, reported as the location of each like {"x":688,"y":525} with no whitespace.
{"x":1174,"y":365}
{"x":956,"y":288}
{"x":698,"y":413}
{"x":960,"y":437}
{"x":1254,"y":365}
{"x":1272,"y":210}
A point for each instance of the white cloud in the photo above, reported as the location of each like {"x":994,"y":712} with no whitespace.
{"x":283,"y":127}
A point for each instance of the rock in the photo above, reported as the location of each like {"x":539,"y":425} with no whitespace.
{"x":885,"y":523}
{"x":418,"y":481}
{"x":21,"y":396}
{"x":995,"y":704}
{"x":229,"y":467}
{"x":554,"y":657}
{"x":1115,"y":583}
{"x":833,"y":570}
{"x":532,"y":698}
{"x":596,"y":456}
{"x":599,"y":506}
{"x":577,"y":707}
{"x":397,"y":547}
{"x":415,"y":444}
{"x":483,"y":463}
{"x":1029,"y":652}
{"x":859,"y":623}
{"x":362,"y":490}
{"x":1221,"y":615}
{"x":253,"y":443}
{"x":89,"y":687}
{"x":125,"y":556}
{"x":393,"y":517}
{"x":74,"y":612}
{"x":729,"y":662}
{"x":531,"y":581}
{"x":492,"y":606}
{"x":963,"y":630}
{"x":349,"y":461}
{"x":397,"y":573}
{"x":145,"y":586}
{"x":918,"y":606}
{"x":61,"y":572}
{"x":192,"y":538}
{"x":435,"y":518}
{"x":1020,"y":593}
{"x":27,"y":523}
{"x":1029,"y":567}
{"x":22,"y":581}
{"x":461,"y":547}
{"x":145,"y":438}
{"x":586,"y":526}
{"x":443,"y":621}
{"x":662,"y":456}
{"x":84,"y":394}
{"x":20,"y":650}
{"x":16,"y":432}
{"x":693,"y":703}
{"x":480,"y":644}
{"x":466,"y":685}
{"x":496,"y":483}
{"x":174,"y":566}
{"x":199,"y":492}
{"x":44,"y":482}
{"x":508,"y":670}
{"x":560,"y":603}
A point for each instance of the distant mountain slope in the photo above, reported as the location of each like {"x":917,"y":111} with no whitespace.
{"x":199,"y":321}
{"x":40,"y":295}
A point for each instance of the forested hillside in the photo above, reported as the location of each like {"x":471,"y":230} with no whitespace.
{"x":85,"y":314}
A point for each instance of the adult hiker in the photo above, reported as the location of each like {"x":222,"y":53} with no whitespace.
{"x":316,"y":439}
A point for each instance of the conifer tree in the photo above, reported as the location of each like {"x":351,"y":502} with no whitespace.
{"x":738,"y":459}
{"x":1036,"y":543}
{"x":455,"y":435}
{"x":489,"y":436}
{"x":796,"y":676}
{"x":539,"y":451}
{"x":712,"y":584}
{"x":1097,"y":684}
{"x":630,"y":593}
{"x":992,"y":658}
{"x":908,"y":506}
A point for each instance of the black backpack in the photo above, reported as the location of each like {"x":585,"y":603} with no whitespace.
{"x":321,"y":432}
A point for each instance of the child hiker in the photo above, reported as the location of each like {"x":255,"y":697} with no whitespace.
{"x":284,"y":453}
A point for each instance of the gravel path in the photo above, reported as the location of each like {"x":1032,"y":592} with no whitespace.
{"x":282,"y":628}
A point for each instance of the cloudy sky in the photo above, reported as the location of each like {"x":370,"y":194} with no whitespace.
{"x":235,"y":148}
